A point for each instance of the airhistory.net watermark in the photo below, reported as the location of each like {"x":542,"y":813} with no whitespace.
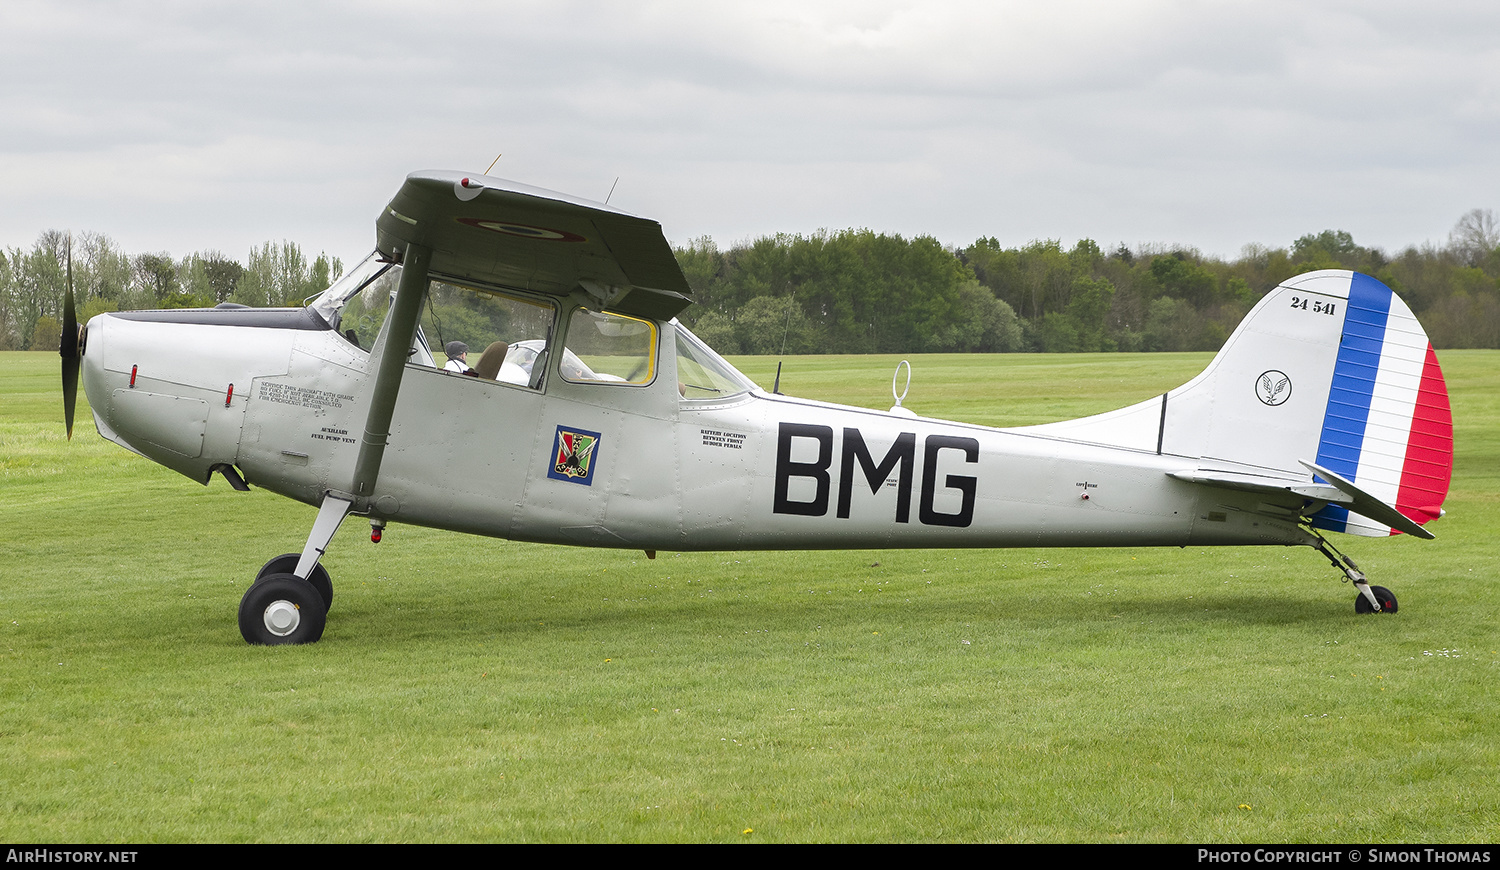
{"x":69,"y":856}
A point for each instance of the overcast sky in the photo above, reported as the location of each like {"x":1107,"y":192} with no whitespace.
{"x":203,"y":125}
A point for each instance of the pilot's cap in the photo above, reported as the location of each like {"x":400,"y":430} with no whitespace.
{"x":454,"y":348}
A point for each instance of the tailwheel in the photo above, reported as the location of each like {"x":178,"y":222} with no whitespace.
{"x":1371,"y":599}
{"x":1384,"y":596}
{"x":286,"y":563}
{"x":282,"y":609}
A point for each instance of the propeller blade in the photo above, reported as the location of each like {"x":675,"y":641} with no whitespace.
{"x":68,"y":348}
{"x":70,"y":390}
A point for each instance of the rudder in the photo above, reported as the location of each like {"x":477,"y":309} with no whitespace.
{"x":1388,"y":426}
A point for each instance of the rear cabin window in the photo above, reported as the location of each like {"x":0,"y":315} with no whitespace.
{"x":604,"y":348}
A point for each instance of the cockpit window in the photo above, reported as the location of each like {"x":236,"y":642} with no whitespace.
{"x":606,"y":348}
{"x":499,"y":336}
{"x":703,"y":374}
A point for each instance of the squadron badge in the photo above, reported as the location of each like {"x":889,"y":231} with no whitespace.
{"x":1273,"y":387}
{"x":573,"y":456}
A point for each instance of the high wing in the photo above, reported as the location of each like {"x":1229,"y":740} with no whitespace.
{"x":489,"y":230}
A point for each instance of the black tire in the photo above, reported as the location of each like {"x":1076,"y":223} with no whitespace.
{"x":1386,"y":597}
{"x":282,"y":609}
{"x":286,"y":563}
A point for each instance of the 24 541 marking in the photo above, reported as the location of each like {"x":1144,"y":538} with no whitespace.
{"x":1316,"y":306}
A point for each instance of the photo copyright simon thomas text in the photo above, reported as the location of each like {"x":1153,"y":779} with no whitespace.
{"x":1344,"y":856}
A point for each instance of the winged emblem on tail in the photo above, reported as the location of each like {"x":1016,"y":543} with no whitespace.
{"x":1273,"y":387}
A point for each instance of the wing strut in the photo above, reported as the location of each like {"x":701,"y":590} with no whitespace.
{"x":400,"y":328}
{"x":391,"y":349}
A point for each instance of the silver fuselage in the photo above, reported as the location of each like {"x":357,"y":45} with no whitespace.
{"x":749,"y":471}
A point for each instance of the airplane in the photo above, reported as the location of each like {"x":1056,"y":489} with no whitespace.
{"x":596,"y":419}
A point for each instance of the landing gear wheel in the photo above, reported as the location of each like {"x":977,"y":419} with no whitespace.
{"x":280,"y":609}
{"x":1386,"y":598}
{"x":287,"y":564}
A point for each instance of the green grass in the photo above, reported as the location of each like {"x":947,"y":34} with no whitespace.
{"x":470,"y":689}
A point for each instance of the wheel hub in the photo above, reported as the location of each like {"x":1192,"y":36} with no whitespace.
{"x":282,"y":618}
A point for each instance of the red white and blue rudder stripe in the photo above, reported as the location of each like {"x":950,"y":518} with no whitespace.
{"x":1388,"y":426}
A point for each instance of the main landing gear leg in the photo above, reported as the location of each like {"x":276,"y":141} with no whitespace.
{"x":1371,"y":599}
{"x":330,"y":516}
{"x":289,"y":605}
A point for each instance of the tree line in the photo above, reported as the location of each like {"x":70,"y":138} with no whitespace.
{"x":106,"y":278}
{"x":857,"y":291}
{"x":854,"y":291}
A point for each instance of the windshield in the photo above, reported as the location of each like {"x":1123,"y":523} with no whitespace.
{"x":330,"y":304}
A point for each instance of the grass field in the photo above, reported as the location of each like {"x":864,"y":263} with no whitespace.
{"x":470,"y":689}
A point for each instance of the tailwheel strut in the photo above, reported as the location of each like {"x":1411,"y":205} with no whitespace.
{"x":1372,"y":599}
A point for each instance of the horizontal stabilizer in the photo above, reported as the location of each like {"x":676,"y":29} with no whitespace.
{"x":1261,"y":483}
{"x":1336,"y":490}
{"x":1367,"y":505}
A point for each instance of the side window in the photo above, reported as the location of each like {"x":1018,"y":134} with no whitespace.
{"x":488,"y":335}
{"x":605,"y":348}
{"x":362,"y":314}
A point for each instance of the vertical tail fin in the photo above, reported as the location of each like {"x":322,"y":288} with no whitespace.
{"x":1330,"y":367}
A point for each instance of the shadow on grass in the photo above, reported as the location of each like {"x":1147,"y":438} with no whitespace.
{"x":430,"y":617}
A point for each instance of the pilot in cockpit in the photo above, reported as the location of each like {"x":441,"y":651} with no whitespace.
{"x":458,"y":357}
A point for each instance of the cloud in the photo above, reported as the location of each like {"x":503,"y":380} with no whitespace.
{"x":183,"y":126}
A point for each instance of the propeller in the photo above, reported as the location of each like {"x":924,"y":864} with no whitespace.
{"x":70,"y":348}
